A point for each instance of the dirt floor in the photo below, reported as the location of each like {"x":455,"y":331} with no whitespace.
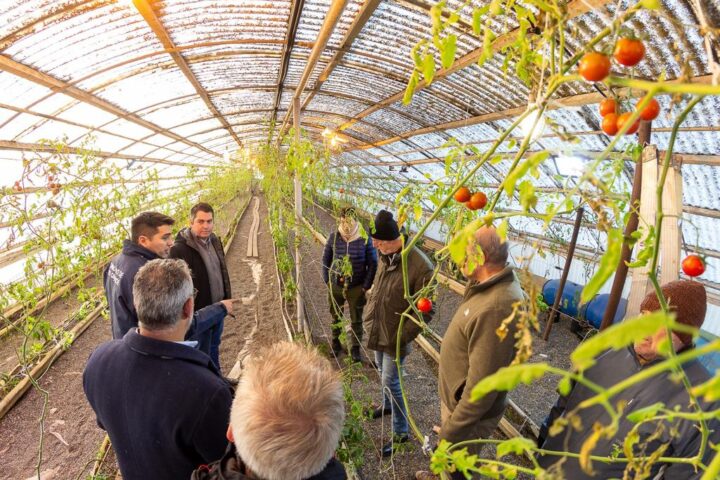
{"x":421,"y":370}
{"x":72,"y":437}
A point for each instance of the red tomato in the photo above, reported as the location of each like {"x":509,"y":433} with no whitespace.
{"x":462,"y":195}
{"x":623,"y":118}
{"x":341,"y":190}
{"x":478,"y":201}
{"x":424,"y":305}
{"x":651,"y":111}
{"x":609,"y":124}
{"x":693,"y":266}
{"x":629,"y":51}
{"x":594,"y":67}
{"x":608,"y":106}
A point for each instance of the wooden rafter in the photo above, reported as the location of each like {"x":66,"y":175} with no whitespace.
{"x":36,"y":76}
{"x":37,"y":147}
{"x":570,"y":101}
{"x":148,"y":13}
{"x":328,"y":27}
{"x":366,"y":11}
{"x":295,"y":12}
{"x":704,"y":212}
{"x":575,"y":8}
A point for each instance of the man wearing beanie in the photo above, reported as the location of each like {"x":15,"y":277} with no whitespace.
{"x":671,"y":437}
{"x":386,"y":302}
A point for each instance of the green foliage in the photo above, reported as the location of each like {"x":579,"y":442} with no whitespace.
{"x":507,"y":378}
{"x":607,"y":266}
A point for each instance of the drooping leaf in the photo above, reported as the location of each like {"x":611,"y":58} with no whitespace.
{"x":458,"y":245}
{"x":516,"y":445}
{"x":502,"y":230}
{"x":429,"y":68}
{"x":410,"y":89}
{"x":710,"y":390}
{"x":646,"y":412}
{"x":564,"y":386}
{"x":508,"y":378}
{"x":618,"y":336}
{"x":607,"y":266}
{"x":587,"y":447}
{"x":448,"y":52}
{"x":417,"y":210}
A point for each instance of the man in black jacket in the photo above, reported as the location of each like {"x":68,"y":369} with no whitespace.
{"x":286,"y":419}
{"x":203,"y":251}
{"x":671,"y":435}
{"x":162,"y":402}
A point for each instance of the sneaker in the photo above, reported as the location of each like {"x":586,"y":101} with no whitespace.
{"x":389,"y":448}
{"x":423,"y":475}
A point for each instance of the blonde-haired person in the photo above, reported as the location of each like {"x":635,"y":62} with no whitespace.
{"x":286,"y":419}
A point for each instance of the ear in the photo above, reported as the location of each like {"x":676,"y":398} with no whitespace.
{"x":188,"y":308}
{"x":229,"y":434}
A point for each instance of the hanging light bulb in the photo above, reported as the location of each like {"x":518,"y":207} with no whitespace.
{"x":527,"y":124}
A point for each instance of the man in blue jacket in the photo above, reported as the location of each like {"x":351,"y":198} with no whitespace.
{"x":349,"y":265}
{"x":150,"y":239}
{"x":162,"y":402}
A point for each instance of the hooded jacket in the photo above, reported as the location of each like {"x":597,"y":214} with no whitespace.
{"x":186,"y":249}
{"x":362,"y":257}
{"x":679,"y":437}
{"x":118,"y":280}
{"x":471,"y":351}
{"x":230,"y":467}
{"x":387,"y":302}
{"x":164,"y":405}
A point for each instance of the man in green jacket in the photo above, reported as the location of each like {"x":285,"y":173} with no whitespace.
{"x":471,"y":350}
{"x":386,"y":302}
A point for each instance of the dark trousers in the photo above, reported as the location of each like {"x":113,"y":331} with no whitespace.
{"x":355,"y":298}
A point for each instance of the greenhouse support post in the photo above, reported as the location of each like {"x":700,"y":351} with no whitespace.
{"x":302,"y":326}
{"x":566,"y":270}
{"x":632,"y":225}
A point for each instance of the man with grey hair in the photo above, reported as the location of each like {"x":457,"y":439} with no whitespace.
{"x":162,"y":402}
{"x":471,"y":349}
{"x":286,"y":419}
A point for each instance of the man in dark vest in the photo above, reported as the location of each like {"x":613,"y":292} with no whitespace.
{"x":203,"y":251}
{"x":162,"y":402}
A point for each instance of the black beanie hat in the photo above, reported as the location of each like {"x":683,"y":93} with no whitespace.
{"x":386,"y":228}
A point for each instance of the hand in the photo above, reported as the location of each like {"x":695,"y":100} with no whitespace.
{"x":229,"y":304}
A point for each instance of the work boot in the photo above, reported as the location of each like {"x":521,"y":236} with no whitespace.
{"x":355,"y":354}
{"x":336,"y":346}
{"x":389,"y":448}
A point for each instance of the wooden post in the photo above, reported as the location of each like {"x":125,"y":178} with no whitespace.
{"x":648,"y":207}
{"x":670,"y":238}
{"x":302,"y":325}
{"x":565,"y":273}
{"x":632,"y":225}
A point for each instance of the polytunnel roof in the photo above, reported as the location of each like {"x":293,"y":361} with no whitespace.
{"x":173,"y":84}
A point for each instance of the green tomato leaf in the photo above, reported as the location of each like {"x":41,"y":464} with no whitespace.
{"x":645,"y":413}
{"x":516,"y":445}
{"x":607,"y":266}
{"x":508,"y":378}
{"x":458,"y":245}
{"x":619,"y":336}
{"x":410,"y":89}
{"x":710,"y":390}
{"x":564,"y":386}
{"x":502,"y":230}
{"x":429,"y":67}
{"x":448,"y":52}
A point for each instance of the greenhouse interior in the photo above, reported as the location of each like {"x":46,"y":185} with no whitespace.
{"x":363,"y":239}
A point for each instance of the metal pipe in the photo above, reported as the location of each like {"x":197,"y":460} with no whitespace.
{"x":566,"y":271}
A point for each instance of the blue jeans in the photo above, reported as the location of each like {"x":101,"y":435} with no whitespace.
{"x":391,"y":385}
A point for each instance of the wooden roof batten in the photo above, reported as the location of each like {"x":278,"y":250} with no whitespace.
{"x":150,"y":16}
{"x":23,"y":71}
{"x":293,"y":21}
{"x":326,"y":31}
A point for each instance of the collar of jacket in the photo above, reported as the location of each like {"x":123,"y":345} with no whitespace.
{"x":504,"y":275}
{"x":166,"y":350}
{"x":393,"y":260}
{"x":130,"y":248}
{"x":657,"y":359}
{"x":185,"y":236}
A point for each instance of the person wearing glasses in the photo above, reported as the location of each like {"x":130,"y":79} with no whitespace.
{"x":163,"y":402}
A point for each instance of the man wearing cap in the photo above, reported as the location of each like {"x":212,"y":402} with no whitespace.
{"x":386,"y":303}
{"x":673,"y":436}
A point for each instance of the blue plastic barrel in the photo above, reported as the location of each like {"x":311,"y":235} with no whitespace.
{"x":594,"y":310}
{"x":570,"y":299}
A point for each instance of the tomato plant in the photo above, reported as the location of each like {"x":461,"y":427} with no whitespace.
{"x":462,"y":195}
{"x":424,"y":305}
{"x":594,"y":67}
{"x":629,"y":51}
{"x":607,"y":106}
{"x":651,"y":110}
{"x":624,"y":118}
{"x":693,"y":265}
{"x":610,"y":124}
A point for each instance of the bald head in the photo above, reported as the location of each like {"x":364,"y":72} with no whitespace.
{"x":494,"y":251}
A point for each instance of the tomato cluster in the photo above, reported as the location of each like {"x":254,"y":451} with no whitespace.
{"x":473,"y":201}
{"x":595,"y":66}
{"x":612,"y":122}
{"x":53,"y":185}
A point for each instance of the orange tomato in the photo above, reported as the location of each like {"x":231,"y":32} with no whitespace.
{"x":594,"y":67}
